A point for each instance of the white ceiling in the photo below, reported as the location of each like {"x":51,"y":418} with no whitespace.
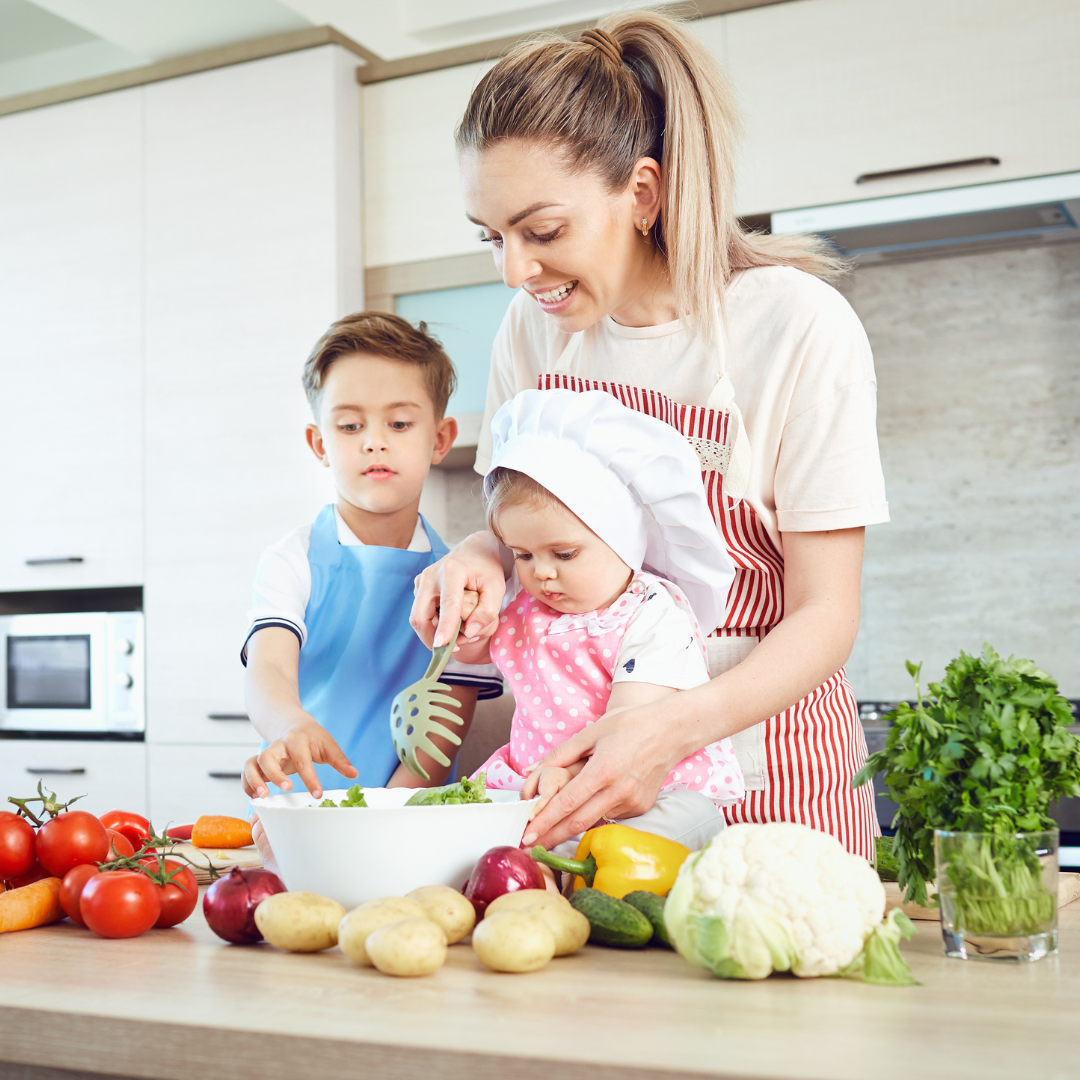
{"x":51,"y":42}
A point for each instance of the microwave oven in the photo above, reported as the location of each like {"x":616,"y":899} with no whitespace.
{"x":80,"y":674}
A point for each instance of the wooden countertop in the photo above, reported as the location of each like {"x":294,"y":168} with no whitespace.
{"x":180,"y":1003}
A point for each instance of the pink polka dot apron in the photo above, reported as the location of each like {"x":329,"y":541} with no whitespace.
{"x":559,"y":668}
{"x":798,"y":766}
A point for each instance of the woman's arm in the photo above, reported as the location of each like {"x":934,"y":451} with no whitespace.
{"x":475,"y":564}
{"x":631,"y":753}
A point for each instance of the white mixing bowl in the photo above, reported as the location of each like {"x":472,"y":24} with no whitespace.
{"x":353,"y":854}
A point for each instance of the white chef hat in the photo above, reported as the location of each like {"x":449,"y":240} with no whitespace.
{"x":632,"y":479}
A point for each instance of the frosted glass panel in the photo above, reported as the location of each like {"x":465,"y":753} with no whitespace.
{"x":465,"y":320}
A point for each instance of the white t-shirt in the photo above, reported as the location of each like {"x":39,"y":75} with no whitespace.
{"x":283,"y":587}
{"x":660,"y":646}
{"x":803,"y":375}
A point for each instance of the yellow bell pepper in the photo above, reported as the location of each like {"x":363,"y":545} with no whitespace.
{"x":617,"y":860}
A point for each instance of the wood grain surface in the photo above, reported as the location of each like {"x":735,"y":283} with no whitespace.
{"x":180,"y":1003}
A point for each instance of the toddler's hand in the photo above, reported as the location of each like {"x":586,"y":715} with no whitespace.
{"x":305,"y":744}
{"x":545,"y":784}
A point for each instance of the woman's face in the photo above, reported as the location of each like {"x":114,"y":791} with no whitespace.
{"x":572,"y":244}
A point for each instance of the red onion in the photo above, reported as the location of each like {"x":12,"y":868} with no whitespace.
{"x":229,"y":904}
{"x":501,"y":870}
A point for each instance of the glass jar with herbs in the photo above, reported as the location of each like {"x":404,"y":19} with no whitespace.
{"x":974,"y":766}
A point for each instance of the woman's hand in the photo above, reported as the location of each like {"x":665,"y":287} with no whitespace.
{"x":303,"y":745}
{"x":628,"y":760}
{"x":474,"y":564}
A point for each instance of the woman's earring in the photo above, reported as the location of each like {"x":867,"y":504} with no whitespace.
{"x":644,"y":226}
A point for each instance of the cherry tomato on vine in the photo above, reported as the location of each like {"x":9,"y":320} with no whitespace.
{"x":71,"y":838}
{"x":16,"y":845}
{"x":71,"y":890}
{"x":178,"y":896}
{"x":120,"y":903}
{"x":119,"y":845}
{"x":134,"y":826}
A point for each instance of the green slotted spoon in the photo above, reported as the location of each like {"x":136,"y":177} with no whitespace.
{"x":419,"y":712}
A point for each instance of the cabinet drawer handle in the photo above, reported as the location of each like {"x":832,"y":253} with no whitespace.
{"x":55,"y":772}
{"x":55,"y":560}
{"x":915,"y":170}
{"x":227,"y":716}
{"x":224,"y":775}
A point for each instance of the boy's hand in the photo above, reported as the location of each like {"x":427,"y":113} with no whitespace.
{"x":304,"y":744}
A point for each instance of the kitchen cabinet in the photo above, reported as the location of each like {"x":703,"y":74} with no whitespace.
{"x":252,"y":250}
{"x":186,"y":781}
{"x":412,"y":191}
{"x":111,"y":775}
{"x":70,"y":345}
{"x":833,"y":89}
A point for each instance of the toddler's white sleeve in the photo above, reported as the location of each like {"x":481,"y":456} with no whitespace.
{"x":660,"y":646}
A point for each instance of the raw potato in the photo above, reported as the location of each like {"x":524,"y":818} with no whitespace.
{"x":448,"y":908}
{"x":525,"y":898}
{"x":407,"y":947}
{"x":513,"y":941}
{"x":299,"y":921}
{"x":570,"y":927}
{"x":355,"y":927}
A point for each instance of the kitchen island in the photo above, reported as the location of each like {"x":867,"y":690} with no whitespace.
{"x":181,"y":1003}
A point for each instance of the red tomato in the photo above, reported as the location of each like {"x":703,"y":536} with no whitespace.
{"x":119,"y":845}
{"x":120,"y":903}
{"x":16,"y":845}
{"x":35,"y":873}
{"x":69,"y":839}
{"x":179,"y":896}
{"x":71,"y":890}
{"x":134,"y":826}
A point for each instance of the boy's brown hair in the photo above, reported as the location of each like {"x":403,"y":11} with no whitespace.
{"x":389,"y":337}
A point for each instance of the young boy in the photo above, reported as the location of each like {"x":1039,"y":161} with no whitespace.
{"x":329,"y":643}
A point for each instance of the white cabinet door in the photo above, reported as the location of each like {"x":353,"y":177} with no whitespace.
{"x":187,"y":781}
{"x":833,"y":89}
{"x":111,"y":775}
{"x":412,"y":190}
{"x":70,"y":344}
{"x":252,"y":210}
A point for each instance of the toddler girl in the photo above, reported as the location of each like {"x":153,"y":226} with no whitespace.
{"x":614,"y":550}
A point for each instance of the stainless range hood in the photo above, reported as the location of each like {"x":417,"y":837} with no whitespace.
{"x":1038,"y":210}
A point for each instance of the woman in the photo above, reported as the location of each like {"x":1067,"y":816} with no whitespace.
{"x":601,"y":173}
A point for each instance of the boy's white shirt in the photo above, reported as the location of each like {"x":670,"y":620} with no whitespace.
{"x":282,"y":589}
{"x":659,"y":638}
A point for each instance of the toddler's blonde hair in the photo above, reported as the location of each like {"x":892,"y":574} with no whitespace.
{"x":508,"y":487}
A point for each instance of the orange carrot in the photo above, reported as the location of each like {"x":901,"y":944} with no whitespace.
{"x":221,"y":832}
{"x":30,"y":906}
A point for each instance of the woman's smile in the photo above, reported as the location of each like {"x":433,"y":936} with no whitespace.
{"x":557,"y":300}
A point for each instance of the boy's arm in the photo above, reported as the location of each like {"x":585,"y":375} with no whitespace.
{"x":296,"y":739}
{"x":441,"y":774}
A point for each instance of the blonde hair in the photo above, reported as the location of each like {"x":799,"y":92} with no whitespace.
{"x":638,"y":85}
{"x":508,"y":487}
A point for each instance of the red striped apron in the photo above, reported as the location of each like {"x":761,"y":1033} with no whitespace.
{"x":807,"y":755}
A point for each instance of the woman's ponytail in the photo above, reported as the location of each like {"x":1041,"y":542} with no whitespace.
{"x":638,"y":85}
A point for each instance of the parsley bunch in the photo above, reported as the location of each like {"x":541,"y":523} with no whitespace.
{"x":987,"y":750}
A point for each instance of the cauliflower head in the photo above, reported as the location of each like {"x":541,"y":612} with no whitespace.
{"x":780,"y":897}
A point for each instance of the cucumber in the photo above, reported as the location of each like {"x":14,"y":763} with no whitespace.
{"x":652,"y":907}
{"x":612,"y":922}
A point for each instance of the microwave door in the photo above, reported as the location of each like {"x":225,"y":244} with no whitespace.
{"x":54,"y":674}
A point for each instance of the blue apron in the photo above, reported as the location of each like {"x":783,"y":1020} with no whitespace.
{"x":360,"y":649}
